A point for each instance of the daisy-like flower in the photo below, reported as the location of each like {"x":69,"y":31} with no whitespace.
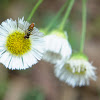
{"x":76,"y":71}
{"x":16,"y":51}
{"x":57,"y":47}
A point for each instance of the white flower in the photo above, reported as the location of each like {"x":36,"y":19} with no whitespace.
{"x":17,"y":52}
{"x":76,"y":71}
{"x":57,"y":47}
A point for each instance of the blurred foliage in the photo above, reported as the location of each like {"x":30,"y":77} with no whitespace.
{"x":3,"y":88}
{"x":34,"y":94}
{"x":42,"y":18}
{"x":73,"y":36}
{"x":3,"y":4}
{"x":96,"y":31}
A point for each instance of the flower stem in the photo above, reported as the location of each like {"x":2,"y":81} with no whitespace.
{"x":57,"y":16}
{"x":83,"y":25}
{"x":66,"y":14}
{"x":34,"y":9}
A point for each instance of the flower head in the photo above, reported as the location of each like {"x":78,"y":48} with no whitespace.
{"x":57,"y":47}
{"x":76,"y":71}
{"x":16,"y":51}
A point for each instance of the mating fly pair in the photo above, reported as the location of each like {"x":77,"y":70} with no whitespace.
{"x":28,"y":31}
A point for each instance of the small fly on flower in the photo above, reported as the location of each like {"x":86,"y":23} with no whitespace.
{"x":28,"y":31}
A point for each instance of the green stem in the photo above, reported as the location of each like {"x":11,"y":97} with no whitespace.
{"x":66,"y":14}
{"x":34,"y":9}
{"x":83,"y":25}
{"x":57,"y":16}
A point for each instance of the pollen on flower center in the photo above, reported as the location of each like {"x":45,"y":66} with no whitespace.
{"x":16,"y":44}
{"x":76,"y":70}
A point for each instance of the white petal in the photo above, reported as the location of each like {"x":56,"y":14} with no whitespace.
{"x":75,"y":79}
{"x":56,"y":46}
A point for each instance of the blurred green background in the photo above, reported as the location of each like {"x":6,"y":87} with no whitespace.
{"x":39,"y":82}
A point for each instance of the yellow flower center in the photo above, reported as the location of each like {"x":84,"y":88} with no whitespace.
{"x":16,"y":44}
{"x":82,"y":70}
